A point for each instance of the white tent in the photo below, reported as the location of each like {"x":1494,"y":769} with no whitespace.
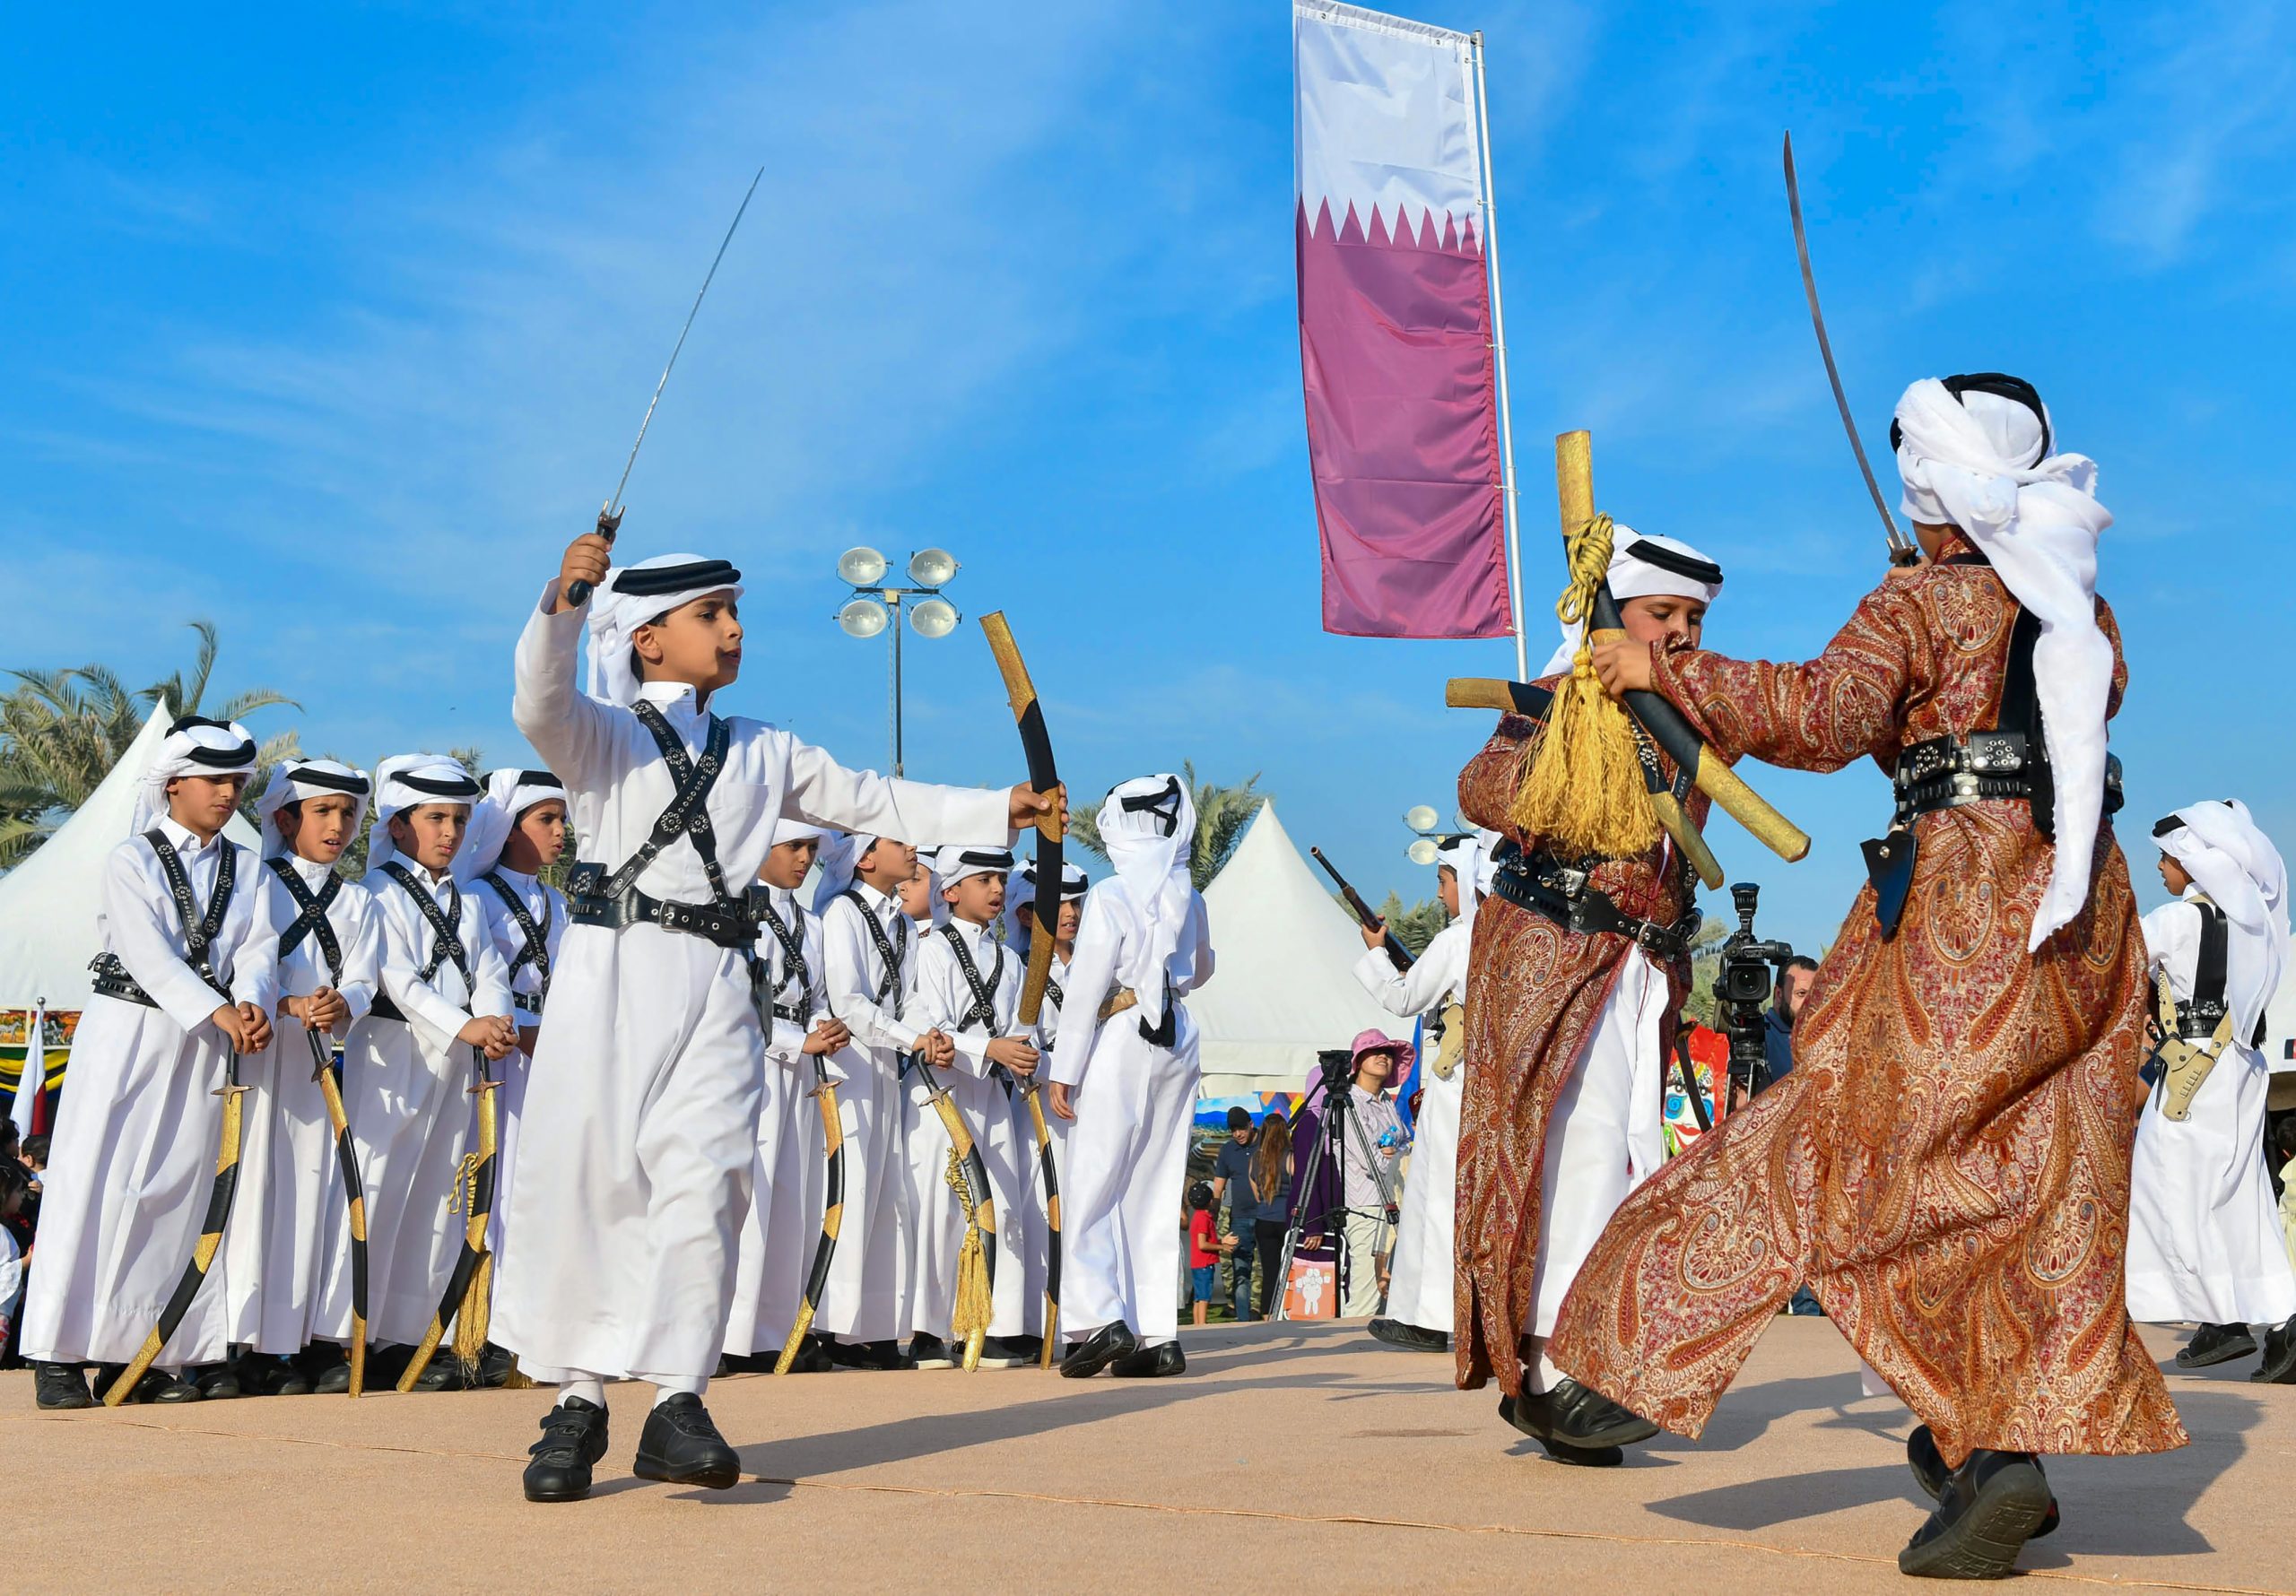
{"x":48,"y":904}
{"x":1283,"y":988}
{"x":2279,"y":1037}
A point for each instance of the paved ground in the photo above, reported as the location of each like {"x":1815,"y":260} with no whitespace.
{"x":1289,"y":1457}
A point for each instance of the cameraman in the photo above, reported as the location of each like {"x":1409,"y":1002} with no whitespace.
{"x":1347,"y":1190}
{"x":1777,"y":1033}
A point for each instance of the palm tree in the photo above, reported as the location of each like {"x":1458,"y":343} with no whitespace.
{"x":61,"y":731}
{"x":1222,"y":813}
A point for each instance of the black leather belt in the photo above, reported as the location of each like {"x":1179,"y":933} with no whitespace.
{"x":1948,"y":772}
{"x":384,"y":1009}
{"x":113,"y":981}
{"x":731,"y":924}
{"x":525,"y":1002}
{"x":1561,"y":892}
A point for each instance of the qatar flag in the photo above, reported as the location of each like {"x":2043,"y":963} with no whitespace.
{"x":1396,"y":350}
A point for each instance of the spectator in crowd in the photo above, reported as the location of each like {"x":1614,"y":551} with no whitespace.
{"x":13,"y":1188}
{"x":1231,"y":1181}
{"x":1271,"y":1182}
{"x":1347,"y":1197}
{"x":1778,"y":1037}
{"x":1203,"y":1247}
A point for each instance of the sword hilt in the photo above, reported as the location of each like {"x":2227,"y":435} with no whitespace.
{"x":609,"y":523}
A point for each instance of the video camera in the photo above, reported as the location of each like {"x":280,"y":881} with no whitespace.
{"x":1749,"y":973}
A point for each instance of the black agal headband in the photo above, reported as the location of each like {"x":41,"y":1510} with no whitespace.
{"x":2001,"y":386}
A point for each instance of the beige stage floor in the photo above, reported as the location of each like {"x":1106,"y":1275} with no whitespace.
{"x":1288,"y":1460}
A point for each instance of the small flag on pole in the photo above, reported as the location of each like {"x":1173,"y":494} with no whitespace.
{"x":1396,"y":345}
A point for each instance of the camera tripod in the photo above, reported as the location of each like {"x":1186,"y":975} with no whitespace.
{"x":1339,"y":1109}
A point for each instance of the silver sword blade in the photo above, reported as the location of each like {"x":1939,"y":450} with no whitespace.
{"x":1901,"y":548}
{"x":615,"y":500}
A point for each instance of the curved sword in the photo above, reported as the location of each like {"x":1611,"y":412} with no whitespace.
{"x":210,"y":1238}
{"x":968,"y":1177}
{"x":1902,"y":550}
{"x":328,"y":1074}
{"x":1044,"y":776}
{"x":473,"y":1271}
{"x":832,"y":1216}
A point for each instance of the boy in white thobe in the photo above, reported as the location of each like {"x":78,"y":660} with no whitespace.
{"x":292,"y":1216}
{"x":1433,"y":990}
{"x":1037,"y":1243}
{"x":969,"y":987}
{"x":780,"y":1232}
{"x":410,"y":1068}
{"x":187,"y":979}
{"x":640,"y":1136}
{"x":2203,"y":1234}
{"x":1125,"y":1072}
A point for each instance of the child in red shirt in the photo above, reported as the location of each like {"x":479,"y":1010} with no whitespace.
{"x":1204,"y":1245}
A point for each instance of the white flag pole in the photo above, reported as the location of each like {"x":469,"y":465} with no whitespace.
{"x":1508,"y":496}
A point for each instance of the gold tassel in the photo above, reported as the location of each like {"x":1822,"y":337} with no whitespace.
{"x":969,"y":1320}
{"x":471,"y":1320}
{"x":1582,"y":790}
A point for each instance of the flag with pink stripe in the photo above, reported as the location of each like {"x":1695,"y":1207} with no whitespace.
{"x":1394,"y":328}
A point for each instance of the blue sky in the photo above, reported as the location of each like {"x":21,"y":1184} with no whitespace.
{"x":335,"y":326}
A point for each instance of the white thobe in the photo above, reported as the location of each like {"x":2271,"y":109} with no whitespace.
{"x":546,"y":907}
{"x":943,"y":1000}
{"x":1134,"y":1101}
{"x":1038,"y":1241}
{"x":293,"y":1217}
{"x":126,"y":1188}
{"x":2203,"y":1234}
{"x":640,"y":1139}
{"x":407,"y":1091}
{"x":869,"y":1282}
{"x":1420,"y":1281}
{"x":782,"y":1227}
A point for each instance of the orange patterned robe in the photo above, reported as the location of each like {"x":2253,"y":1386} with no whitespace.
{"x":1947,"y":1164}
{"x":1534,"y":993}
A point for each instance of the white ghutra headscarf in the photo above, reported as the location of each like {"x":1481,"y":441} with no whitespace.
{"x":1468,"y":853}
{"x":195,"y":746}
{"x":633,"y":595}
{"x":1644,"y":567}
{"x":1148,"y":830}
{"x":410,"y":781}
{"x":2234,"y":862}
{"x":297,"y":779}
{"x":510,"y":794}
{"x":1974,"y":453}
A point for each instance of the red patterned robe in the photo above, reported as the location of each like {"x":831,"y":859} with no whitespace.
{"x":1947,"y":1164}
{"x":1534,"y":993}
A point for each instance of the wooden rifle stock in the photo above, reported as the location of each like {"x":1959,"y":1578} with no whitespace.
{"x":1397,"y":954}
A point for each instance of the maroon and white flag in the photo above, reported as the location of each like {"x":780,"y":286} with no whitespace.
{"x":1394,"y":328}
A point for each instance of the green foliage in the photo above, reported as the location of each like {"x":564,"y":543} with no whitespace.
{"x":61,"y":731}
{"x":1413,"y":927}
{"x":1222,"y":813}
{"x":1705,"y":967}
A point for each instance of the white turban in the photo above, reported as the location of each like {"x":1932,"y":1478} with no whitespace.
{"x":957,"y":862}
{"x":297,"y":779}
{"x":409,"y":781}
{"x":1468,"y":853}
{"x":630,"y":597}
{"x":840,"y":857}
{"x":1644,"y":567}
{"x":1148,"y":830}
{"x":510,"y":794}
{"x":195,"y":746}
{"x":1980,"y":461}
{"x":785,"y":830}
{"x":2239,"y":870}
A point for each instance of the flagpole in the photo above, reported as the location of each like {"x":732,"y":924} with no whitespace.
{"x":1499,"y":347}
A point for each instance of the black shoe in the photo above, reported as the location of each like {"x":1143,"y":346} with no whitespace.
{"x":1575,"y":1415}
{"x":680,"y":1444}
{"x":2214,"y":1344}
{"x":1930,"y":1473}
{"x":1030,"y":1348}
{"x":334,"y":1380}
{"x":386,"y":1362}
{"x":1007,"y":1352}
{"x":573,"y":1438}
{"x":2279,"y":1365}
{"x":930,"y":1352}
{"x":215,"y":1381}
{"x":813,"y":1357}
{"x":1096,"y":1351}
{"x":446,"y":1372}
{"x":1395,"y":1333}
{"x":155,"y":1386}
{"x":261,"y":1374}
{"x":495,"y":1366}
{"x":60,"y":1385}
{"x":1988,"y":1509}
{"x":1563,"y":1452}
{"x":1149,"y":1363}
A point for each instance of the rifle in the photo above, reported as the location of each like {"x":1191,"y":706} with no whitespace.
{"x":1397,"y":954}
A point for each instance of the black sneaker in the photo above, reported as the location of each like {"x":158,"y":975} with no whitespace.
{"x":573,"y":1438}
{"x":680,"y":1445}
{"x":1989,"y":1508}
{"x":1930,"y":1473}
{"x":1149,"y":1363}
{"x":1395,"y":1333}
{"x":2212,"y":1344}
{"x":1005,"y":1352}
{"x":930,"y":1352}
{"x":57,"y":1386}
